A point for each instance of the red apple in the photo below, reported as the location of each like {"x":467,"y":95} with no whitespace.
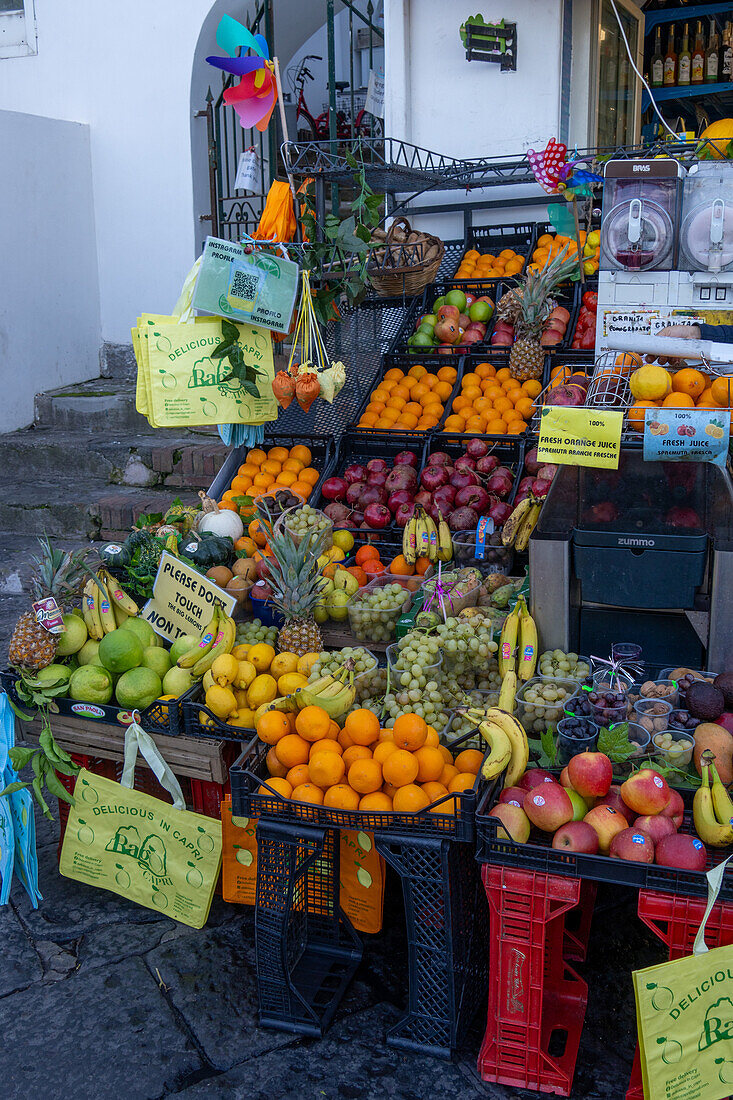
{"x":514,"y":822}
{"x":656,"y":826}
{"x":616,"y":802}
{"x":675,"y":808}
{"x":533,"y":776}
{"x":590,"y":774}
{"x":548,"y":806}
{"x":645,"y":792}
{"x":576,"y":836}
{"x":513,"y":795}
{"x":565,"y":778}
{"x":607,"y":823}
{"x":682,"y":850}
{"x":631,"y":844}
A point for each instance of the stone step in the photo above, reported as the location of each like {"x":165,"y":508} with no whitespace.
{"x":60,"y":507}
{"x":103,"y":404}
{"x":16,"y":552}
{"x":114,"y":512}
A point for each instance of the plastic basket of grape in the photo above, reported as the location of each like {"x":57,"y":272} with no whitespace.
{"x":374,"y":610}
{"x":449,"y":816}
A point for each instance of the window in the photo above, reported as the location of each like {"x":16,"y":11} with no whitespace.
{"x":617,"y":86}
{"x":17,"y":28}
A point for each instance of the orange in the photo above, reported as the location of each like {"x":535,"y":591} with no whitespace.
{"x":485,"y":370}
{"x":502,"y":405}
{"x":421,"y":566}
{"x":248,"y":471}
{"x":256,"y":457}
{"x":472,"y":392}
{"x":333,"y":731}
{"x":292,"y":465}
{"x":365,"y":552}
{"x":503,"y":373}
{"x":286,"y":479}
{"x":354,"y":753}
{"x":628,"y":359}
{"x":430,"y":764}
{"x":303,"y":488}
{"x":308,"y":792}
{"x":516,"y":427}
{"x":274,"y":766}
{"x":291,"y":750}
{"x":419,"y":390}
{"x":400,"y":768}
{"x":386,"y":735}
{"x":272,"y":725}
{"x":678,"y":401}
{"x":326,"y":745}
{"x":362,"y":726}
{"x":442,"y":390}
{"x":453,"y":424}
{"x":309,"y":475}
{"x":312,"y":723}
{"x":481,"y":404}
{"x":431,"y":739}
{"x":376,"y":803}
{"x":434,"y":791}
{"x":635,"y":415}
{"x":496,"y":427}
{"x":689,"y":381}
{"x":263,"y":481}
{"x":409,"y":731}
{"x":228,"y":506}
{"x":409,"y":799}
{"x":401,"y":567}
{"x":365,"y":776}
{"x":474,"y":424}
{"x":270,"y":467}
{"x":341,"y":797}
{"x":401,"y":391}
{"x":525,"y":407}
{"x":450,"y":771}
{"x":494,"y":390}
{"x":721,"y":390}
{"x":470,"y":379}
{"x":389,"y":790}
{"x":278,"y":454}
{"x":532,"y":387}
{"x":383,"y":750}
{"x":297,"y":775}
{"x":326,"y":769}
{"x":469,"y":761}
{"x":447,"y":374}
{"x":408,"y":421}
{"x":462,"y":781}
{"x":344,"y":740}
{"x":394,"y":374}
{"x":418,"y":371}
{"x":280,"y":785}
{"x":413,"y":407}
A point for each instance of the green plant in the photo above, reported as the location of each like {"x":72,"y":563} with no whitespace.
{"x":230,"y":349}
{"x":46,"y":760}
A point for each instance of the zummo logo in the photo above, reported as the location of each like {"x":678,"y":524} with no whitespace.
{"x":636,"y":542}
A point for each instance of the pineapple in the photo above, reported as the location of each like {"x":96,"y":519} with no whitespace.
{"x":529,"y":306}
{"x":296,"y":580}
{"x":55,"y":574}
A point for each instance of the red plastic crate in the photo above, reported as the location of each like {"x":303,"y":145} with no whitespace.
{"x":578,"y":923}
{"x":537,"y":1002}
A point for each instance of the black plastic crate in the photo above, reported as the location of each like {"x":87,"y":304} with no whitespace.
{"x":249,"y":773}
{"x":494,"y":288}
{"x":322,"y":448}
{"x":305,"y":947}
{"x":404,"y":361}
{"x":210,"y":727}
{"x":447,"y":920}
{"x":538,"y":855}
{"x":509,"y":449}
{"x":519,"y":236}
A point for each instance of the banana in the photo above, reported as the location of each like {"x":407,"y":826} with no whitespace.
{"x":709,"y":829}
{"x":508,"y":642}
{"x":104,"y":605}
{"x":508,"y":691}
{"x":409,"y":540}
{"x":432,"y":531}
{"x":120,"y":615}
{"x":118,"y":595}
{"x":286,"y":703}
{"x":530,"y":522}
{"x":422,"y":537}
{"x":90,"y":611}
{"x":224,"y":643}
{"x":511,"y":527}
{"x":208,"y":680}
{"x":527,"y":653}
{"x":500,"y":754}
{"x":445,"y":542}
{"x":204,"y":644}
{"x":515,"y":731}
{"x":722,"y":802}
{"x":335,"y":705}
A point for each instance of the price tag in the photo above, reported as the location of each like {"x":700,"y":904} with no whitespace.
{"x":580,"y":437}
{"x":183,"y":600}
{"x":690,"y":435}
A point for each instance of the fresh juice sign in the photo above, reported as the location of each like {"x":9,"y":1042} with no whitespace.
{"x":580,"y":437}
{"x":691,"y":435}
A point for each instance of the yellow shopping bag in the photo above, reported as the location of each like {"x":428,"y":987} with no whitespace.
{"x":684,"y":1015}
{"x":160,"y":856}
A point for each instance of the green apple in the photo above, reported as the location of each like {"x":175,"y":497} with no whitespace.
{"x":420,"y":340}
{"x":580,"y":807}
{"x":438,"y":303}
{"x":480,"y":311}
{"x":456,"y":298}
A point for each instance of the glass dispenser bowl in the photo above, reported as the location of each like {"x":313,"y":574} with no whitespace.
{"x":706,"y":230}
{"x":640,"y":214}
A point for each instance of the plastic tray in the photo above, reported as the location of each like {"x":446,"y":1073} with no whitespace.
{"x":519,"y":236}
{"x":322,"y":448}
{"x":250,"y":772}
{"x":403,"y":360}
{"x":386,"y":618}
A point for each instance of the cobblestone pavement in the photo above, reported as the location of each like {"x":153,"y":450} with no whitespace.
{"x":100,"y":998}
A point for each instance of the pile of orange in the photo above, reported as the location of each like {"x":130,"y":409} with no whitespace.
{"x":361,"y":766}
{"x":278,"y":468}
{"x":549,"y":244}
{"x":412,"y":401}
{"x":691,"y":389}
{"x":483,"y":265}
{"x":491,"y":402}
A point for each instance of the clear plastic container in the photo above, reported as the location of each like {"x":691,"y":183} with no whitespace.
{"x":496,"y":558}
{"x":608,"y":715}
{"x":459,"y":724}
{"x":567,"y":674}
{"x":455,"y":601}
{"x":675,"y":757}
{"x":325,"y":533}
{"x":602,"y":681}
{"x":429,"y":671}
{"x":639,"y":736}
{"x":361,"y":679}
{"x":413,"y":582}
{"x":578,"y":706}
{"x":680,"y":719}
{"x":651,"y":714}
{"x":571,"y":740}
{"x":371,"y":624}
{"x":538,"y":716}
{"x":661,"y":689}
{"x":270,"y":498}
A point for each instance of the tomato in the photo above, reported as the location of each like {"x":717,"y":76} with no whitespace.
{"x":590,"y":300}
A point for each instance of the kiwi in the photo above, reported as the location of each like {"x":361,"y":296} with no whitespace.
{"x":724,"y":682}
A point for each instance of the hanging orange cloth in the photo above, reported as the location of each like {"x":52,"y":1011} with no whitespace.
{"x":278,"y":218}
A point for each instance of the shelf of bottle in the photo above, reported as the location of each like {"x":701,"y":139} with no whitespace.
{"x":661,"y":95}
{"x":653,"y":19}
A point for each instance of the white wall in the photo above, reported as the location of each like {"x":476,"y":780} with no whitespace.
{"x":49,"y":296}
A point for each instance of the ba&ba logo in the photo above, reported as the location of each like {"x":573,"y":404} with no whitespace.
{"x":718,"y":1024}
{"x":206,"y":372}
{"x":149,"y":854}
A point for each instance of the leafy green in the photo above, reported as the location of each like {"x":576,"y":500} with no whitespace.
{"x":615,"y":743}
{"x":676,"y":776}
{"x":231,"y":349}
{"x":549,"y":746}
{"x":45,"y":761}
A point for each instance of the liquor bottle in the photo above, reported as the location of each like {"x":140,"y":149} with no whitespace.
{"x":657,"y":62}
{"x":670,"y":61}
{"x":712,"y":56}
{"x":684,"y":61}
{"x":727,"y":67}
{"x":698,"y":57}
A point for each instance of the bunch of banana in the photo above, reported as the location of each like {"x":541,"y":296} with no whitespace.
{"x":218,"y":636}
{"x":507,"y":654}
{"x":508,"y":692}
{"x":522,"y":522}
{"x":423,"y":538}
{"x":527,"y":649}
{"x":105,"y":606}
{"x":712,"y":808}
{"x":496,"y":727}
{"x":334,"y":693}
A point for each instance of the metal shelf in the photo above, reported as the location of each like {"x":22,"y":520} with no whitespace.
{"x":662,"y":95}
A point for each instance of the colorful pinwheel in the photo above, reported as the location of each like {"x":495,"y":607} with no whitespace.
{"x":556,"y":174}
{"x":254,"y":97}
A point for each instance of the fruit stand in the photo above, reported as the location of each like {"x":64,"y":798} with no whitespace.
{"x":397,"y":625}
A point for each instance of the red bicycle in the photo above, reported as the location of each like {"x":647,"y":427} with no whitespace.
{"x":312,"y":128}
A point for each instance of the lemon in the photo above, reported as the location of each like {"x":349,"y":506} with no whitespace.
{"x":337,"y":554}
{"x":284,"y":662}
{"x":247,"y":716}
{"x":241,"y":651}
{"x":650,"y":383}
{"x":208,"y":680}
{"x":241,"y":718}
{"x":344,"y":540}
{"x":290,"y":682}
{"x":206,"y":719}
{"x":246,"y":673}
{"x":221,"y":701}
{"x":262,"y":690}
{"x":225,"y":669}
{"x":240,"y":695}
{"x":261,"y":656}
{"x":306,"y":662}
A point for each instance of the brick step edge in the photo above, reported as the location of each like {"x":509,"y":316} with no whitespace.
{"x":197,"y":464}
{"x":118,"y":511}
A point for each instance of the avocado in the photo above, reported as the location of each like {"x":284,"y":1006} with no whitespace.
{"x":724,"y":682}
{"x":705,"y":701}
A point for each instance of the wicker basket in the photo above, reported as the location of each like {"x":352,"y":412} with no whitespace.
{"x":406,"y":261}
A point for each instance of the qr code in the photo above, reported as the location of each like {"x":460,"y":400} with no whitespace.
{"x":244,"y":286}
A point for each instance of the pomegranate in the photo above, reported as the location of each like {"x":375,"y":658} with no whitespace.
{"x":541,"y":487}
{"x":444,"y":497}
{"x":355,"y":473}
{"x":530,"y":461}
{"x":433,"y":477}
{"x":499,"y":484}
{"x":548,"y":471}
{"x":566,"y":395}
{"x":403,"y":514}
{"x":500,"y":512}
{"x":526,"y":483}
{"x":354,"y":491}
{"x":338,"y":513}
{"x":423,"y":497}
{"x":377,"y":464}
{"x":680,"y":516}
{"x":476,"y":448}
{"x":487,"y":464}
{"x":334,"y":488}
{"x":402,"y":477}
{"x":406,"y":458}
{"x":376,"y":477}
{"x":459,"y":480}
{"x":473,"y":496}
{"x":401,"y":496}
{"x":370,"y":494}
{"x":464,"y":463}
{"x":440,"y":458}
{"x":462,"y":519}
{"x":377,"y":515}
